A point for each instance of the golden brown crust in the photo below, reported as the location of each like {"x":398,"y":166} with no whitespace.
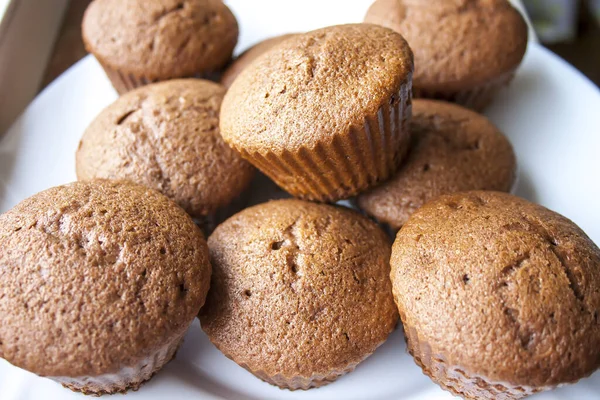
{"x":97,"y":276}
{"x":300,"y":291}
{"x":453,"y":150}
{"x":306,"y":110}
{"x":246,"y":58}
{"x":308,"y":90}
{"x":160,"y":39}
{"x":501,"y":289}
{"x":166,"y":136}
{"x":473,"y":43}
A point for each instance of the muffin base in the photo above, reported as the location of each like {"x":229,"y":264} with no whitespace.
{"x":300,"y":382}
{"x":457,"y":380}
{"x":128,"y":378}
{"x":296,"y":382}
{"x":124,"y":82}
{"x":476,"y":98}
{"x":348,"y":164}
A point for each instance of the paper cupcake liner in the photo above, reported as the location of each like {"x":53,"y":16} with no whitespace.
{"x":124,"y":82}
{"x":455,"y":379}
{"x":128,"y":378}
{"x":299,"y":382}
{"x":295,"y":382}
{"x":477,"y":98}
{"x":350,"y":163}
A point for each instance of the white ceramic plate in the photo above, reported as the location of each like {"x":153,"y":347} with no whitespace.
{"x":551,"y":113}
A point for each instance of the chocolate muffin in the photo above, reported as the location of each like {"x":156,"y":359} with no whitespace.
{"x":300,"y":292}
{"x":325,"y":113}
{"x":248,"y":56}
{"x":99,"y":283}
{"x":465,"y":50}
{"x":166,"y":136}
{"x":454,"y":149}
{"x":498,"y":296}
{"x":142,"y":41}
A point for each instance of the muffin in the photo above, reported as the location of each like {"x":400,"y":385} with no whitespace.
{"x":142,"y":41}
{"x":300,"y":292}
{"x":453,"y":150}
{"x":498,"y":296}
{"x":325,"y":113}
{"x":465,"y":50}
{"x":248,"y":56}
{"x":99,"y":283}
{"x":166,"y":136}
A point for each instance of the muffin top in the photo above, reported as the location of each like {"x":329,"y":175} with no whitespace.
{"x":96,"y":276}
{"x":314,"y":87}
{"x":472,"y":42}
{"x":501,"y":288}
{"x":166,"y":136}
{"x":453,"y":150}
{"x":307,"y":284}
{"x":160,"y":39}
{"x":248,"y":56}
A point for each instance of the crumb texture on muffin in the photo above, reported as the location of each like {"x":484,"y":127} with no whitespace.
{"x":96,"y":276}
{"x":160,"y":39}
{"x":457,"y":44}
{"x":300,"y":292}
{"x":308,"y":89}
{"x":502,"y":289}
{"x":453,"y":150}
{"x":166,"y":136}
{"x":325,"y":113}
{"x":246,"y":58}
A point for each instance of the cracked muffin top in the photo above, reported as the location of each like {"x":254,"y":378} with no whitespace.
{"x":166,"y":136}
{"x":298,"y":289}
{"x":454,"y":149}
{"x":160,"y":39}
{"x":95,"y":276}
{"x":315,"y":87}
{"x":457,"y":44}
{"x":500,"y":288}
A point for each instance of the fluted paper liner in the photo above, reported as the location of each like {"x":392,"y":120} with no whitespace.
{"x":300,"y":382}
{"x":476,"y":98}
{"x":128,"y":378}
{"x":348,"y":164}
{"x":455,"y":379}
{"x":124,"y":82}
{"x":297,"y":382}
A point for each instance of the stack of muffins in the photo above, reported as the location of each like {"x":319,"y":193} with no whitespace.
{"x":101,"y":278}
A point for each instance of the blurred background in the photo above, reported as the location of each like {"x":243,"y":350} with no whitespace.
{"x":569,"y":28}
